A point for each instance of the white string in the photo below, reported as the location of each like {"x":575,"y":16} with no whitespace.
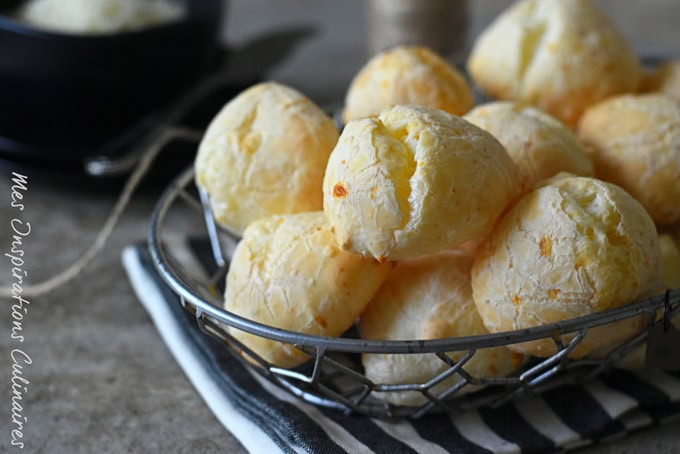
{"x":131,"y":184}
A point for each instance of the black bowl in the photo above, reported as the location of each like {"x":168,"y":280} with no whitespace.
{"x":63,"y":97}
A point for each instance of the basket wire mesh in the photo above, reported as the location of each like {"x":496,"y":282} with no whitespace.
{"x":333,"y":376}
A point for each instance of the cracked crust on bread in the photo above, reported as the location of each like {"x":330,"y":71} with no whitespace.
{"x":265,"y":153}
{"x":559,"y":55}
{"x":573,"y":247}
{"x":635,"y":143}
{"x":428,"y":298}
{"x":288,"y":272}
{"x":414,"y":181}
{"x":407,"y":75}
{"x":540,"y":145}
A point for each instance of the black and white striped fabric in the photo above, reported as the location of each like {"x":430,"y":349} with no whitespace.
{"x":267,"y":419}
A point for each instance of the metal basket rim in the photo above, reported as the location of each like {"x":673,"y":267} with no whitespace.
{"x":182,"y":286}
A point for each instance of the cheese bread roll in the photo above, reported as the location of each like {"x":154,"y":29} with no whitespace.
{"x":265,"y":153}
{"x":407,"y":75}
{"x":414,"y":181}
{"x":428,"y":298}
{"x":635,"y":143}
{"x":665,"y":78}
{"x":288,"y":272}
{"x":559,"y":55}
{"x":571,"y":248}
{"x":540,"y":145}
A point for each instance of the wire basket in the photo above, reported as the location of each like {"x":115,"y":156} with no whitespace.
{"x":334,"y":378}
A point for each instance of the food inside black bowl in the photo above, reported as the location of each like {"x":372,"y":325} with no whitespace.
{"x":98,"y":16}
{"x":66,"y":94}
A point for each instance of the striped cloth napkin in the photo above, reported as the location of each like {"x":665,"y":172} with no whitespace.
{"x":267,"y":419}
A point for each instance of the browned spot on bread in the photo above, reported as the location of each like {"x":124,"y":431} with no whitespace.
{"x":321,"y":321}
{"x":616,"y":239}
{"x":553,"y":293}
{"x":516,"y":300}
{"x":545,"y":244}
{"x":339,"y":191}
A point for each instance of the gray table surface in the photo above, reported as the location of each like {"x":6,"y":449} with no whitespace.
{"x":101,"y":379}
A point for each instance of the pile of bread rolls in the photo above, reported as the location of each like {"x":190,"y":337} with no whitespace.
{"x":428,"y":217}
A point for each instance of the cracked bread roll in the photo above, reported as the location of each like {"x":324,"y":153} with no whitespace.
{"x":571,"y":248}
{"x":559,"y":55}
{"x":635,"y":143}
{"x":428,"y":298}
{"x":288,"y":272}
{"x":407,"y":75}
{"x":414,"y":181}
{"x":539,"y":144}
{"x":265,"y":153}
{"x":665,"y":79}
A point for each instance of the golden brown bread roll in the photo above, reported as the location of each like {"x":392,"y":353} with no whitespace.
{"x":265,"y":153}
{"x":559,"y":55}
{"x":428,"y":298}
{"x":573,"y":247}
{"x":406,"y":75}
{"x":539,"y":144}
{"x":635,"y":143}
{"x":288,"y":272}
{"x":665,"y":79}
{"x":414,"y":181}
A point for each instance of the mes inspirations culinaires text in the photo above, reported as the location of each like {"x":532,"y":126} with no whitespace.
{"x":19,"y":232}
